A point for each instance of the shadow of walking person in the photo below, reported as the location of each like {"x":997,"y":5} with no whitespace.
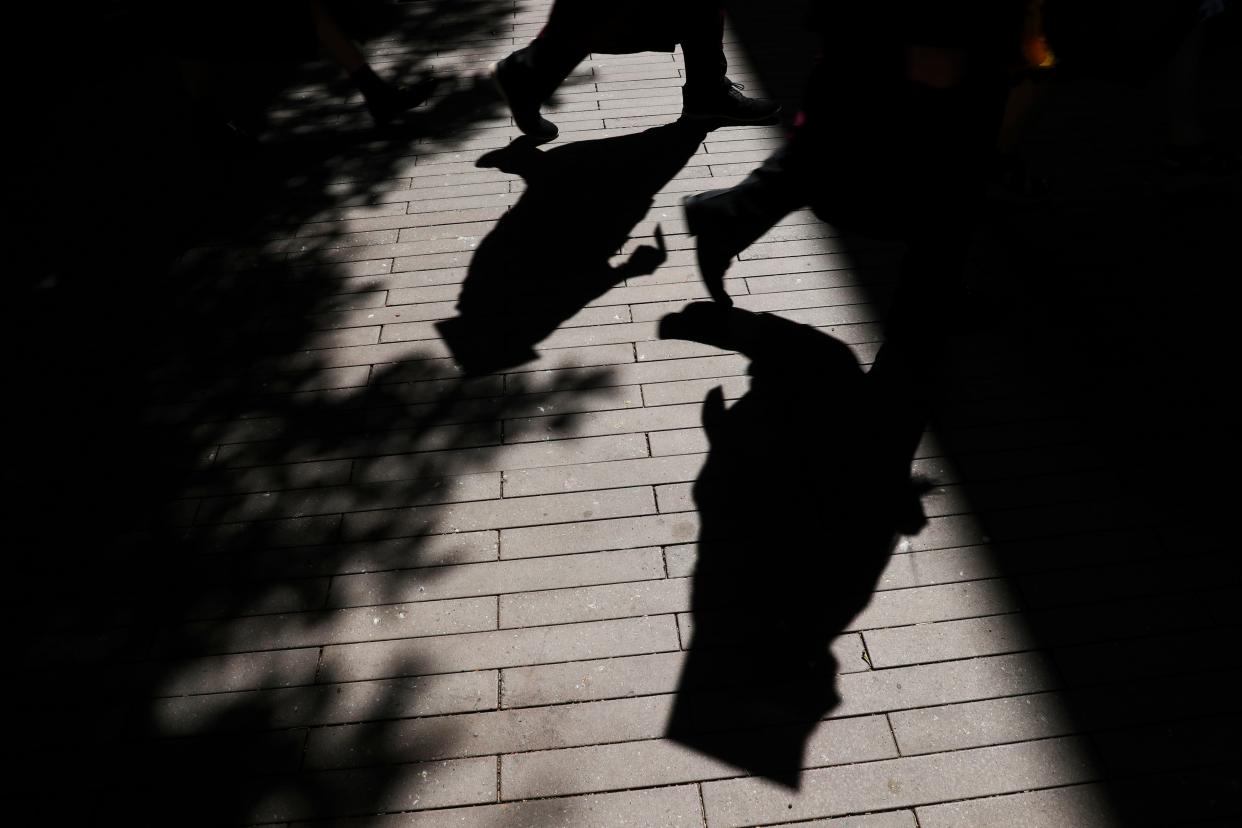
{"x":548,"y":257}
{"x":805,"y":491}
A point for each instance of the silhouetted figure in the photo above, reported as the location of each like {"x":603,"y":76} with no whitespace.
{"x":575,"y":28}
{"x":804,"y":492}
{"x":548,"y":257}
{"x":898,"y":126}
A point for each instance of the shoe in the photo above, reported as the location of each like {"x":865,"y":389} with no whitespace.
{"x":726,"y":222}
{"x":387,"y":102}
{"x":726,"y":103}
{"x":523,"y":100}
{"x":707,"y":220}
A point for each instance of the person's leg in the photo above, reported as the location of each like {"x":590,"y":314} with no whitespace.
{"x":726,"y":222}
{"x":529,"y":76}
{"x":384,"y":100}
{"x":708,"y":93}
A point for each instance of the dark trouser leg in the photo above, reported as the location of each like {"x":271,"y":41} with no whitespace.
{"x":708,"y":94}
{"x":726,"y":222}
{"x":702,"y":44}
{"x":529,"y":76}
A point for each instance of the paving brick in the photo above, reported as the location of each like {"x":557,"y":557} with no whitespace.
{"x":329,"y":320}
{"x":607,"y":333}
{"x":587,"y":680}
{"x":673,"y":349}
{"x":568,"y":404}
{"x":357,"y":444}
{"x":888,"y":819}
{"x":944,"y":683}
{"x":496,"y":578}
{"x":336,"y":499}
{"x":1089,"y":804}
{"x":457,"y":548}
{"x":617,"y":473}
{"x":537,"y":454}
{"x":502,"y":731}
{"x":675,"y":497}
{"x":938,"y":566}
{"x":975,"y":724}
{"x":950,"y":531}
{"x":900,"y":783}
{"x":504,"y":648}
{"x":401,"y":788}
{"x":298,"y":707}
{"x":470,"y":205}
{"x":597,"y":535}
{"x":495,"y":514}
{"x":680,"y":559}
{"x":676,"y":369}
{"x":227,"y":673}
{"x":638,"y":598}
{"x":273,"y":534}
{"x":671,"y":393}
{"x":950,"y":640}
{"x":382,"y":623}
{"x":634,"y":764}
{"x":679,"y":441}
{"x":309,"y":243}
{"x":226,"y":593}
{"x":665,"y":807}
{"x":623,"y":421}
{"x":921,"y":605}
{"x":846,"y":648}
{"x":1050,"y":555}
{"x":588,"y":318}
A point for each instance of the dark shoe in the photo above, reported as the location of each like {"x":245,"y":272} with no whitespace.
{"x":707,"y":219}
{"x":523,"y":100}
{"x":386,"y":101}
{"x":726,"y":103}
{"x":726,"y":222}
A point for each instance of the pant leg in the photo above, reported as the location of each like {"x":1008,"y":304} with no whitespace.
{"x":563,"y":43}
{"x":701,"y":34}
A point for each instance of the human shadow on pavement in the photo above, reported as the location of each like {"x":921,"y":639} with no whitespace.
{"x":548,"y":257}
{"x":805,"y":490}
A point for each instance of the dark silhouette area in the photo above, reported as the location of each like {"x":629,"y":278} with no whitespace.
{"x":528,"y":77}
{"x":185,"y":452}
{"x":531,"y":273}
{"x":805,"y":491}
{"x":780,"y":46}
{"x":1100,"y":343}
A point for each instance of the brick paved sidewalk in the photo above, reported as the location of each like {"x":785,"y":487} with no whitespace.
{"x":378,"y":591}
